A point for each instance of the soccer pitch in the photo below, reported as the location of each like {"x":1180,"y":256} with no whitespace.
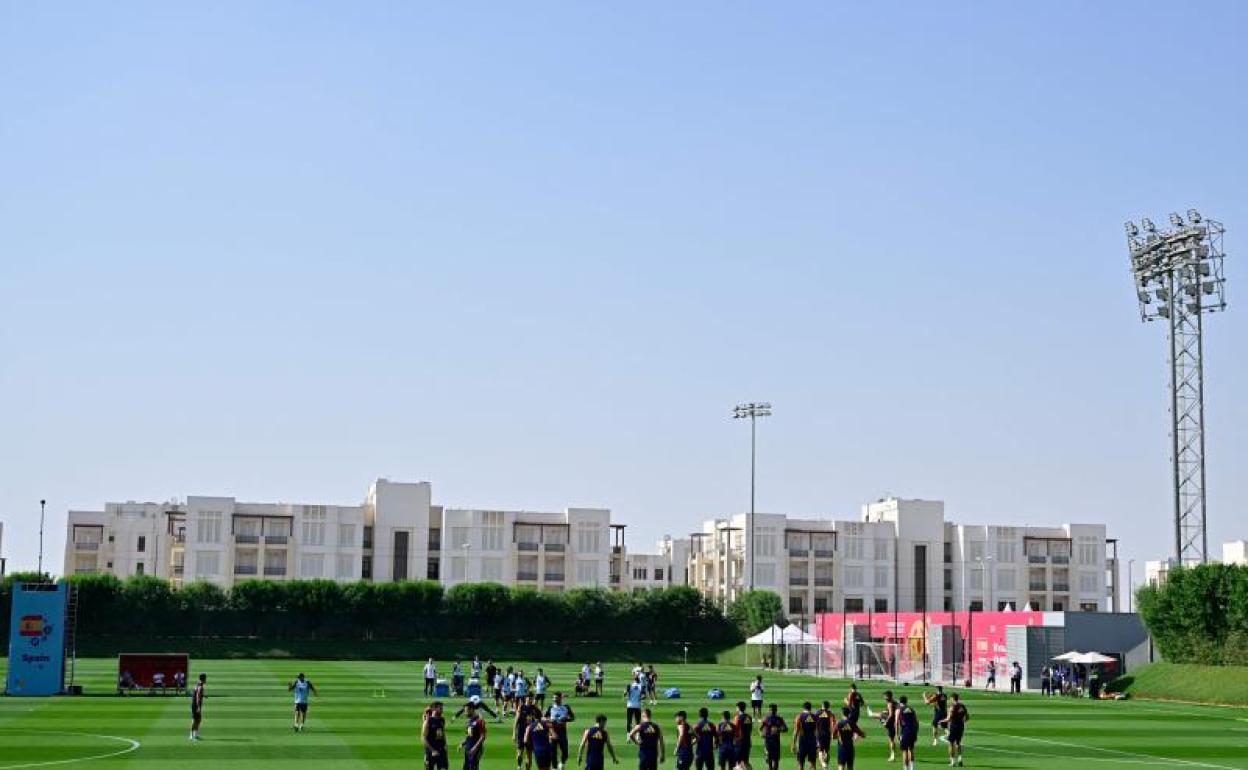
{"x":368,"y":716}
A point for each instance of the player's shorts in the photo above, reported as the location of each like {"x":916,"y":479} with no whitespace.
{"x":648,"y":762}
{"x":806,"y":753}
{"x":302,"y":708}
{"x":543,"y":759}
{"x":844,"y":754}
{"x":937,"y":718}
{"x":438,"y":761}
{"x":727,"y":755}
{"x":823,"y":742}
{"x":758,"y":704}
{"x":907,"y":740}
{"x":704,"y":761}
{"x":891,"y":729}
{"x":472,"y":760}
{"x":684,"y":759}
{"x":518,"y":740}
{"x":955,"y":732}
{"x":195,"y":712}
{"x":743,"y":752}
{"x":772,"y":749}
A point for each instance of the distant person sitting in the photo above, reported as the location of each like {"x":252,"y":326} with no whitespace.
{"x":179,"y":682}
{"x":125,"y":682}
{"x":158,"y":681}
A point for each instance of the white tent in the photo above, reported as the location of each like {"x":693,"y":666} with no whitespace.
{"x":1093,"y":659}
{"x":795,"y":635}
{"x":1069,"y":657}
{"x":773,"y":635}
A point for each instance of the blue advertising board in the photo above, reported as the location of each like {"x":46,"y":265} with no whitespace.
{"x":37,"y":640}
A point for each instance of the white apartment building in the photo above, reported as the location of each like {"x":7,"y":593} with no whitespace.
{"x":669,"y":566}
{"x":396,"y":534}
{"x":1156,"y":572}
{"x":903,"y":555}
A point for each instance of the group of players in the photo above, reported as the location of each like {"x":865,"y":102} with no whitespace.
{"x":540,"y":737}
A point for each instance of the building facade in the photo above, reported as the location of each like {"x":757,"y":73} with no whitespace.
{"x":903,"y":555}
{"x":1156,"y":572}
{"x":397,"y":533}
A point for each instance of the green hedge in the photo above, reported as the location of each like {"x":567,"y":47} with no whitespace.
{"x":1199,"y":615}
{"x":1186,"y":682}
{"x":144,"y":606}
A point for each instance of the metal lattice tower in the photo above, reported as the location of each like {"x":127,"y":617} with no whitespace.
{"x":1179,"y":278}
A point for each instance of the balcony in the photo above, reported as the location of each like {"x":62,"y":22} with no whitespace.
{"x":554,"y":577}
{"x":1037,"y":559}
{"x":241,"y":538}
{"x":798,"y":553}
{"x":823,"y":582}
{"x":245,"y":569}
{"x":555,"y":547}
{"x":1034,"y":586}
{"x":528,"y":546}
{"x":614,"y":580}
{"x":84,"y":571}
{"x":798,"y":580}
{"x":274,"y":571}
{"x":86,"y":546}
{"x":616,"y":550}
{"x":526,"y":575}
{"x":178,"y":569}
{"x":822,"y":553}
{"x":277,"y":539}
{"x":1061,"y":587}
{"x":1060,"y":559}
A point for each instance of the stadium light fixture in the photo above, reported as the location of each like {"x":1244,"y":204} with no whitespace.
{"x":751,"y":410}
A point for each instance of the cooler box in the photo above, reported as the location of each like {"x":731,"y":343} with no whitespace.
{"x":442,"y":689}
{"x":474,"y":688}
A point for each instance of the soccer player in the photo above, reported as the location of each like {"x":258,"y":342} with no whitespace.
{"x":652,"y":684}
{"x":888,"y":718}
{"x":756,"y":696}
{"x":743,"y":724}
{"x":474,"y":739}
{"x":540,"y":683}
{"x":853,"y":702}
{"x":824,"y":721}
{"x":197,"y":706}
{"x":541,"y":741}
{"x":726,"y":739}
{"x":593,"y":743}
{"x":907,"y":722}
{"x":992,"y":676}
{"x":956,"y":722}
{"x":457,"y":679}
{"x":505,"y":689}
{"x":521,"y":686}
{"x":704,"y":741}
{"x":560,"y":714}
{"x":805,"y":745}
{"x":940,"y":709}
{"x":684,"y":741}
{"x":476,"y":667}
{"x":770,"y":728}
{"x":431,"y":676}
{"x":433,"y":734}
{"x":651,"y":751}
{"x":633,"y":696}
{"x":599,"y":676}
{"x":845,"y":732}
{"x":526,"y":713}
{"x":476,"y":703}
{"x":302,"y":688}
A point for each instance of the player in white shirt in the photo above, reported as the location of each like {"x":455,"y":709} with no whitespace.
{"x":756,"y":696}
{"x":302,"y":688}
{"x":431,"y":676}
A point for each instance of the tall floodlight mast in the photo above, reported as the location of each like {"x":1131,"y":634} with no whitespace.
{"x":1179,"y":278}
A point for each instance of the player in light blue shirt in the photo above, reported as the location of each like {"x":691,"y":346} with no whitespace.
{"x":634,"y":695}
{"x":302,"y":689}
{"x":540,"y":683}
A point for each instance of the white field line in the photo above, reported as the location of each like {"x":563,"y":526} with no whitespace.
{"x":1152,"y":759}
{"x":131,"y":745}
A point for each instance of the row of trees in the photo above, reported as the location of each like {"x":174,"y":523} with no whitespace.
{"x":1199,"y":615}
{"x":324,"y":609}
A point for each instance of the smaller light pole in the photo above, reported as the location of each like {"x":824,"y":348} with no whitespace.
{"x":42,"y":507}
{"x":1130,"y":582}
{"x":752,"y":410}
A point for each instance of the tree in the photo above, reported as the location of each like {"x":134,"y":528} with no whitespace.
{"x":754,"y":611}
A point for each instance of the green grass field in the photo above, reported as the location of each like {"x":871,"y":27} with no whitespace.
{"x":247,"y":723}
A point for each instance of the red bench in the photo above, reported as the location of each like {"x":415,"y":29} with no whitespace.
{"x":142,"y":667}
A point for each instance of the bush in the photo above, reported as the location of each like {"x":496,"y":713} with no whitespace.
{"x":755,"y":611}
{"x":1199,"y":615}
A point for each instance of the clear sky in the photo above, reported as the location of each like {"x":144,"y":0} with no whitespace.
{"x":534,"y":253}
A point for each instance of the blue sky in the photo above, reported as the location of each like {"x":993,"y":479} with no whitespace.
{"x":534,"y":253}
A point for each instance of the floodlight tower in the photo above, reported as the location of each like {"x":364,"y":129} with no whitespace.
{"x":751,"y":411}
{"x":1179,"y":278}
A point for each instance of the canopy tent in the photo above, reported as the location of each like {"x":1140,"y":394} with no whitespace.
{"x":795,"y":635}
{"x":1093,"y":659}
{"x":1069,"y":657}
{"x":773,"y":635}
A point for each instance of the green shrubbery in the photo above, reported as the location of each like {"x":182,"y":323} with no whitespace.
{"x":1200,"y":614}
{"x":325,"y":609}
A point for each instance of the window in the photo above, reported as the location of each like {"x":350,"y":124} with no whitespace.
{"x":765,"y":544}
{"x":586,"y":572}
{"x":492,"y":532}
{"x":492,"y":569}
{"x":975,"y":550}
{"x":639,"y":573}
{"x":312,"y":565}
{"x":314,"y":533}
{"x":1088,"y":553}
{"x":368,"y":536}
{"x":881,"y":576}
{"x":1087,"y":606}
{"x":853,"y":605}
{"x":881,"y":549}
{"x":764,"y":574}
{"x":398,"y":565}
{"x":1088,"y":583}
{"x":432,"y":568}
{"x":797,"y":605}
{"x":854,"y":548}
{"x":977,"y":606}
{"x":1007,"y":552}
{"x":975,"y":579}
{"x":658,"y":573}
{"x":142,"y":545}
{"x":138,"y":568}
{"x":821,"y":602}
{"x":208,"y":528}
{"x":366,"y":568}
{"x":1005,"y":580}
{"x":207,"y":564}
{"x":948,"y":552}
{"x":345,"y":569}
{"x":1001,"y":605}
{"x":528,"y":533}
{"x":459,"y":539}
{"x":881,"y":605}
{"x":346,"y":535}
{"x":588,"y":537}
{"x":853,"y":577}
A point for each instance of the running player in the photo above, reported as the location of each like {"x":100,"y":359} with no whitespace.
{"x":197,"y":706}
{"x":593,"y":743}
{"x":480,"y":705}
{"x":302,"y":687}
{"x":651,"y":751}
{"x":526,"y":713}
{"x":824,"y":720}
{"x":541,"y":741}
{"x":888,"y":718}
{"x":805,"y":743}
{"x":756,"y":696}
{"x":854,"y":702}
{"x":560,"y":714}
{"x":845,"y":733}
{"x":770,"y":728}
{"x":907,"y":732}
{"x":474,"y":740}
{"x":704,"y":741}
{"x":726,"y":739}
{"x":684,"y":742}
{"x":956,"y":721}
{"x":940,"y":709}
{"x":744,"y":726}
{"x":633,"y":696}
{"x":540,"y":683}
{"x":433,"y":733}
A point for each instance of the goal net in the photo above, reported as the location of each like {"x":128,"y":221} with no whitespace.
{"x":893,"y":661}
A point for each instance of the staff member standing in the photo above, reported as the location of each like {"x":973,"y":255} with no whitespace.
{"x":197,"y":706}
{"x":431,"y":675}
